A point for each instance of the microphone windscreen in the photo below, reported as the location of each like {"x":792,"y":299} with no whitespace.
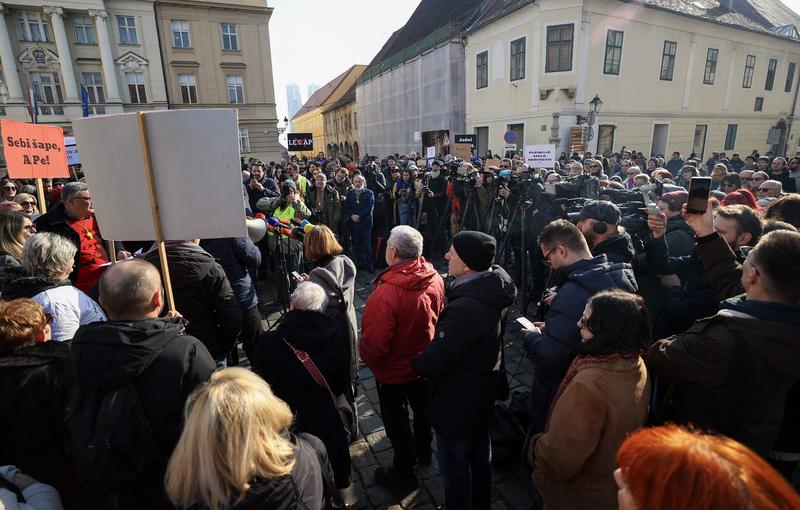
{"x":504,"y":173}
{"x":260,"y":216}
{"x":273,"y":221}
{"x":308,"y":228}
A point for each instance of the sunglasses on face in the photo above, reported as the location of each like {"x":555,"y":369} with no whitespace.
{"x":764,"y":190}
{"x":9,"y":188}
{"x":747,"y":179}
{"x":757,"y":179}
{"x":28,"y":202}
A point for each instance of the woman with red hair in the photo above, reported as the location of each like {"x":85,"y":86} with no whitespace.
{"x":672,"y":468}
{"x":741,"y":197}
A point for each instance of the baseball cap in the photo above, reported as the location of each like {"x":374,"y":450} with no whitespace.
{"x":600,"y":210}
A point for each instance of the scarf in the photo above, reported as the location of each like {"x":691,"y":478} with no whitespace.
{"x":580,"y":361}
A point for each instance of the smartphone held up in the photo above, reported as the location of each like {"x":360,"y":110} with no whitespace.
{"x":699,"y":191}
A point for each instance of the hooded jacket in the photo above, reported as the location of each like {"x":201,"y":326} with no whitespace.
{"x":463,"y":361}
{"x":554,"y":349}
{"x":732,"y":372}
{"x":203,"y":295}
{"x":617,"y":249}
{"x":400,"y":318}
{"x":317,"y":335}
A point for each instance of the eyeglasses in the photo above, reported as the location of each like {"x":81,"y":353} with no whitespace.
{"x":758,"y":178}
{"x":549,"y":253}
{"x":28,"y":202}
{"x":747,"y":179}
{"x":31,"y":229}
{"x":764,"y":190}
{"x":9,"y":188}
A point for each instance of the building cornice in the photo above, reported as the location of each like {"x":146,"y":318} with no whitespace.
{"x":220,"y":5}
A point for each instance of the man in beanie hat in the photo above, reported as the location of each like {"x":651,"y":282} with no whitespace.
{"x":464,"y":368}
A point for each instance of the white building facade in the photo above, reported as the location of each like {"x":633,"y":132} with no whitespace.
{"x":711,"y":80}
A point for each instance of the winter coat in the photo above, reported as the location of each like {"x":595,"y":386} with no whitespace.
{"x":362,"y":205}
{"x":400,"y":318}
{"x":237,"y":256}
{"x":38,"y":496}
{"x":107,"y":355}
{"x":302,"y":489}
{"x":269,"y":205}
{"x":732,"y":372}
{"x":720,"y":265}
{"x":462,"y":363}
{"x":338,"y":274}
{"x":35,"y":383}
{"x":8,"y":262}
{"x":617,"y":249}
{"x":554,"y":349}
{"x":574,"y":459}
{"x":674,"y":166}
{"x":315,"y":413}
{"x":331,"y":211}
{"x":786,"y":180}
{"x":342,"y":187}
{"x":203,"y":295}
{"x":271,"y":189}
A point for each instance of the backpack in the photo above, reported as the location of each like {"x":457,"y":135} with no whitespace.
{"x":111,"y":437}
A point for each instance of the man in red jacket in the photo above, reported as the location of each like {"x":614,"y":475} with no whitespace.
{"x":398,"y":323}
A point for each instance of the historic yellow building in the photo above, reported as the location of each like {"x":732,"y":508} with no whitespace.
{"x":341,"y":127}
{"x":309,"y":119}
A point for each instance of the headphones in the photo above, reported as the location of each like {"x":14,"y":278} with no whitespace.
{"x":600,"y":227}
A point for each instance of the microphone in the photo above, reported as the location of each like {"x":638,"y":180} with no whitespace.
{"x":504,"y":173}
{"x":299,"y":223}
{"x":260,"y":216}
{"x":308,"y":228}
{"x":298,"y":233}
{"x":273,"y":221}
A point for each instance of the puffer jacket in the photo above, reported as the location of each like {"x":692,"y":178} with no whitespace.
{"x":400,"y":319}
{"x":554,"y":349}
{"x":462,"y":363}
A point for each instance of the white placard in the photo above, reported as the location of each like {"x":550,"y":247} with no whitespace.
{"x":71,"y":147}
{"x":430,"y":152}
{"x":196,"y":168}
{"x":417,"y":136}
{"x":540,"y":156}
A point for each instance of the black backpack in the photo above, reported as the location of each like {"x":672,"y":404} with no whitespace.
{"x":112,"y":440}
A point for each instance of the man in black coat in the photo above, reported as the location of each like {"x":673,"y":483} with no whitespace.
{"x":599,"y":223}
{"x":259,"y":185}
{"x":463,"y":367}
{"x":203,"y":295}
{"x":109,"y":355}
{"x":308,"y":329}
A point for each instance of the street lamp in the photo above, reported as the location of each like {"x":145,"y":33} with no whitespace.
{"x":596,"y":103}
{"x":283,"y":129}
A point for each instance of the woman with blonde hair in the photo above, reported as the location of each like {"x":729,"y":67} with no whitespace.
{"x":15,"y":229}
{"x":236,"y":453}
{"x":28,"y":203}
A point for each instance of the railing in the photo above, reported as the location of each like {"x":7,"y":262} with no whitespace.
{"x":434,"y":40}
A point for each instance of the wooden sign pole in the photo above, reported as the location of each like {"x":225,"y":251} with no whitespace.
{"x":40,"y":192}
{"x":151,"y":188}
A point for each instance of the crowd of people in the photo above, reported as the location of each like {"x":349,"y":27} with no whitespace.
{"x":664,"y":341}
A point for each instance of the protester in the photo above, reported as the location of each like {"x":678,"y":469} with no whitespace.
{"x":8,"y":189}
{"x":770,"y":189}
{"x":336,"y":273}
{"x":399,"y":321}
{"x":786,"y":209}
{"x":599,"y":223}
{"x":405,"y":193}
{"x":779,"y":171}
{"x":35,"y":384}
{"x":604,"y":397}
{"x":277,"y":358}
{"x":260,"y":186}
{"x":28,"y":203}
{"x":238,"y":257}
{"x":576,"y":276}
{"x":670,"y":467}
{"x":11,"y":207}
{"x":236,"y":451}
{"x":358,"y":206}
{"x":203,"y":295}
{"x":463,"y":368}
{"x":137,"y":349}
{"x":47,"y":260}
{"x":742,"y":197}
{"x":324,"y":203}
{"x":15,"y":229}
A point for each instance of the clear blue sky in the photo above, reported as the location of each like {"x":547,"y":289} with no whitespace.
{"x":313,"y":41}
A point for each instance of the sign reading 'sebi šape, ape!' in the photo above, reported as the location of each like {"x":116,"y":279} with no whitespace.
{"x":33,"y":150}
{"x":540,"y":156}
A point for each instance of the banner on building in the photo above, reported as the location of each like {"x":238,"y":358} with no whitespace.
{"x":464,"y":151}
{"x":33,"y":150}
{"x":470,"y":139}
{"x":71,"y":147}
{"x":300,"y":142}
{"x":540,"y":156}
{"x":197,"y":186}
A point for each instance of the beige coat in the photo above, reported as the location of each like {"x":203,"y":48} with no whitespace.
{"x":574,"y":459}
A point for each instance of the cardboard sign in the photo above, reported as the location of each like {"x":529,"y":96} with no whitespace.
{"x":470,"y":139}
{"x":33,"y":150}
{"x":196,"y":170}
{"x":71,"y":146}
{"x":430,"y":152}
{"x":464,"y":151}
{"x":300,"y":142}
{"x":540,"y":156}
{"x":492,"y":162}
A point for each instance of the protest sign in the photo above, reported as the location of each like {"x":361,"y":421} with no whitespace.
{"x":492,"y":162}
{"x":298,"y":142}
{"x":430,"y":152}
{"x":33,"y":150}
{"x":196,"y":174}
{"x":71,"y":147}
{"x":464,"y":151}
{"x":540,"y":156}
{"x":470,"y":139}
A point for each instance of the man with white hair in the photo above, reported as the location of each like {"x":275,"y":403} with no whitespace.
{"x":398,"y":323}
{"x":278,"y":357}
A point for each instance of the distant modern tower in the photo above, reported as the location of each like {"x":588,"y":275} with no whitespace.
{"x":293,"y":99}
{"x":312,"y":88}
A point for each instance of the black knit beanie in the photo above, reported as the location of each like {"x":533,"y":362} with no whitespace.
{"x":476,"y":249}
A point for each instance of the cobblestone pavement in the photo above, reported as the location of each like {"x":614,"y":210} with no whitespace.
{"x":512,"y":488}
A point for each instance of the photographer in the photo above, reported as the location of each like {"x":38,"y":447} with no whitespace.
{"x":599,"y":223}
{"x":343,"y":185}
{"x":324,"y":202}
{"x":435,"y":204}
{"x":470,"y":199}
{"x":376,"y":182}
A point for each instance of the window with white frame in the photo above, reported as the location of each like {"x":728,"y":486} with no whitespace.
{"x":84,"y":30}
{"x":136,"y":87}
{"x":180,"y":34}
{"x":127,"y":30}
{"x":244,"y":141}
{"x":482,"y":70}
{"x":235,"y":89}
{"x":94,"y":86}
{"x":230,"y":39}
{"x":47,"y":88}
{"x":518,"y":59}
{"x":188,"y":84}
{"x":33,"y":27}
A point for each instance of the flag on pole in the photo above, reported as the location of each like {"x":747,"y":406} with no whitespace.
{"x":33,"y":106}
{"x":84,"y":101}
